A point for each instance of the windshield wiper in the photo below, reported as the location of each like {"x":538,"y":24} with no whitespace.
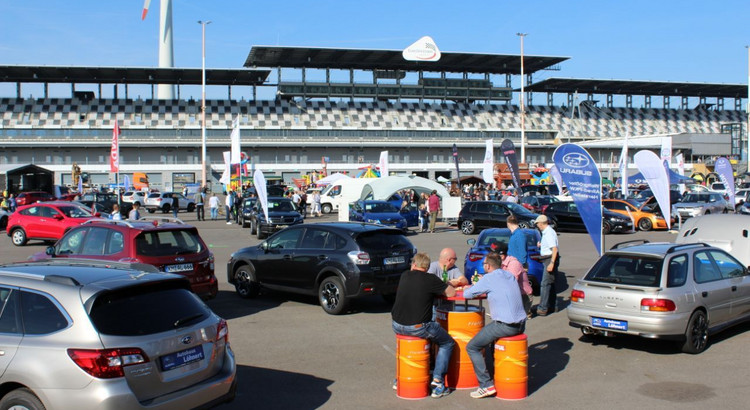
{"x":184,"y":321}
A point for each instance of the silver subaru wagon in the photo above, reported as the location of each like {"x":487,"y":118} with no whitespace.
{"x":100,"y":335}
{"x":662,"y":290}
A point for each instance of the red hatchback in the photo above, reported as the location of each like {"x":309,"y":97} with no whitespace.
{"x":165,"y":243}
{"x":46,"y":221}
{"x":28,"y":198}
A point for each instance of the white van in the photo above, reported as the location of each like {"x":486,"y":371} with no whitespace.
{"x":341,"y":192}
{"x":730,"y":232}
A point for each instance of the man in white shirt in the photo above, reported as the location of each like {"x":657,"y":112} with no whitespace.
{"x":550,"y":257}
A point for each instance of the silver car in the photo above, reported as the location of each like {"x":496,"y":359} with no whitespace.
{"x":662,"y":290}
{"x":102,"y":335}
{"x":701,"y":203}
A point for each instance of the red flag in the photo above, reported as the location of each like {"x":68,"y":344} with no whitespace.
{"x":114,"y":155}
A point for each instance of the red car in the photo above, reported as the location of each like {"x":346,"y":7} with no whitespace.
{"x":46,"y":221}
{"x":170,"y":246}
{"x":28,"y":198}
{"x":537,"y":203}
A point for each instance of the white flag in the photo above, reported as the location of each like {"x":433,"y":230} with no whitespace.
{"x":624,"y":169}
{"x":226,"y":177}
{"x":261,"y":190}
{"x":557,"y":178}
{"x":488,"y":166}
{"x":666,"y":150}
{"x":235,"y":137}
{"x":383,"y":164}
{"x":653,"y":171}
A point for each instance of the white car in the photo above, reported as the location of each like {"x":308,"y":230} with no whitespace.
{"x":163,"y":201}
{"x":134,"y":196}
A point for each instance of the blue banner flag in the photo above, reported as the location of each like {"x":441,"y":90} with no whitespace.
{"x":723,"y":167}
{"x":584,"y":182}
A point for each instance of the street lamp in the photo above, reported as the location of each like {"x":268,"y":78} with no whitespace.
{"x":203,"y":103}
{"x":747,"y":129}
{"x":523,"y":109}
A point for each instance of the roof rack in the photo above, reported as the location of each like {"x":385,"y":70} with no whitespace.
{"x":687,"y":245}
{"x":629,"y":243}
{"x":111,"y":221}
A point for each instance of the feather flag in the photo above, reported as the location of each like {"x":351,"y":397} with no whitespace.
{"x":114,"y":154}
{"x":235,"y":137}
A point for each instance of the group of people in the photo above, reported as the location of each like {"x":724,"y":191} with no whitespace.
{"x":8,"y":202}
{"x":509,"y":295}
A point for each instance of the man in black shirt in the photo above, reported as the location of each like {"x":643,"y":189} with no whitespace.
{"x":412,"y":315}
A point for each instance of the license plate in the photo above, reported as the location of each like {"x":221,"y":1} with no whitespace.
{"x":609,"y":323}
{"x":187,"y":356}
{"x":394,"y":260}
{"x":182,"y":267}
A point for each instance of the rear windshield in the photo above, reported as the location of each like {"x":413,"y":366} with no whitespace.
{"x":383,"y":241}
{"x":75,"y":212}
{"x":155,"y":195}
{"x":171,"y":242}
{"x":145,"y":310}
{"x":627,"y":270}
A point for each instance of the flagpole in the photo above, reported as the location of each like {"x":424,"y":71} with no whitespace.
{"x":523,"y":109}
{"x":203,"y":103}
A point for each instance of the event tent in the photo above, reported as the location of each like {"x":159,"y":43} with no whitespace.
{"x":331,"y":179}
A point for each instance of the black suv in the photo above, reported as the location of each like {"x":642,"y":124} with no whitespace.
{"x":564,"y":216}
{"x":477,"y":215}
{"x":337,"y":261}
{"x":281,"y":213}
{"x":246,"y":211}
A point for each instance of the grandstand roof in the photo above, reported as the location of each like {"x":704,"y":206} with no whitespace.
{"x":129,"y":75}
{"x":629,"y":87}
{"x":366,"y":59}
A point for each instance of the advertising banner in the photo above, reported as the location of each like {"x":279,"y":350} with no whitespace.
{"x":261,"y":190}
{"x":383,"y":164}
{"x":655,"y":174}
{"x":509,"y":151}
{"x":557,"y":178}
{"x":235,"y":142}
{"x":114,"y":153}
{"x":581,"y":175}
{"x":624,"y":169}
{"x":488,"y":166}
{"x":423,"y":49}
{"x":724,"y":169}
{"x":666,"y":150}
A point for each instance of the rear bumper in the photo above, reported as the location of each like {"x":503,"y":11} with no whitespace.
{"x":655,"y":326}
{"x":206,"y":290}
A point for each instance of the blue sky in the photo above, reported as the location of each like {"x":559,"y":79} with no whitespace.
{"x":696,"y":41}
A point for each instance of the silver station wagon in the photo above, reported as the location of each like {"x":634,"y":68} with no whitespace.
{"x":662,"y":290}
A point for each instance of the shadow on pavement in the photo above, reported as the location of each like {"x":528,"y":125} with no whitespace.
{"x":546,"y":360}
{"x":261,"y":388}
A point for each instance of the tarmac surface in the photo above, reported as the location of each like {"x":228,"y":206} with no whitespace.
{"x":292,"y":355}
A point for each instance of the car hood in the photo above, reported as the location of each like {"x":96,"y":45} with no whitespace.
{"x":382,"y":215}
{"x":692,"y":204}
{"x":273,"y":214}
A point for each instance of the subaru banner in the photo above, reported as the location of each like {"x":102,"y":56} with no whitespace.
{"x":584,"y":182}
{"x":509,"y":151}
{"x":656,"y":175}
{"x":724,"y":169}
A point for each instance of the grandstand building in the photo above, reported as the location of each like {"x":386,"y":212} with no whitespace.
{"x":339,"y":108}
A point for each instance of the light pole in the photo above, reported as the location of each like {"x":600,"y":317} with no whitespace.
{"x":523,"y":109}
{"x":747,"y":128}
{"x":203,"y":103}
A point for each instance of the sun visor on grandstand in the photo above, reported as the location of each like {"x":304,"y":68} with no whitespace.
{"x":423,"y":49}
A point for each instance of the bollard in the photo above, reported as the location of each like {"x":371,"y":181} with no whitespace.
{"x":412,"y":367}
{"x":511,"y":367}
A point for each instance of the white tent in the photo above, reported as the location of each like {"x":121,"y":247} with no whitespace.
{"x":331,"y":179}
{"x":383,"y":188}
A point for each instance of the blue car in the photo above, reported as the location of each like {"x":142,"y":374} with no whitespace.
{"x":377,"y":212}
{"x":480,"y":247}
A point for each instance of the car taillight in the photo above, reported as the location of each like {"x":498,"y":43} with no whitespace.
{"x":107,"y":363}
{"x":211,"y":261}
{"x":359,"y":258}
{"x":222,"y":331}
{"x":158,"y":199}
{"x":657,"y":305}
{"x":474,"y":256}
{"x":577,"y":295}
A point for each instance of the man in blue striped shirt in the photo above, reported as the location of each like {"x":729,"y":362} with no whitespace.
{"x":507,"y":314}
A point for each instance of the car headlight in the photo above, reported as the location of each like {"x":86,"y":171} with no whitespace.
{"x":372,"y":221}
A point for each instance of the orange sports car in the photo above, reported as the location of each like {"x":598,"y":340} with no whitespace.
{"x":643,"y":216}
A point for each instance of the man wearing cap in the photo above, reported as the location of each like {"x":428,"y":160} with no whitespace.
{"x":508,"y":318}
{"x":512,"y":265}
{"x":447,"y":262}
{"x":550,"y":257}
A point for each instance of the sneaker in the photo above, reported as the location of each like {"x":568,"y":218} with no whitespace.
{"x":395,"y":384}
{"x":229,"y":223}
{"x":482,"y":392}
{"x":439,"y":390}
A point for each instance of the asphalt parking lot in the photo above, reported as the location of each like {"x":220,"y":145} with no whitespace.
{"x":291,"y":355}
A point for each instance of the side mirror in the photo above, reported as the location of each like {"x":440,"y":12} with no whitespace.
{"x":58,"y":217}
{"x":50,"y":251}
{"x":471,"y":242}
{"x":264,"y":246}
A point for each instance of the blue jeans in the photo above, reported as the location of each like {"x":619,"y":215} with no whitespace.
{"x":229,"y":212}
{"x":485,"y":340}
{"x":547,"y":291}
{"x":433,"y":332}
{"x":214,"y":213}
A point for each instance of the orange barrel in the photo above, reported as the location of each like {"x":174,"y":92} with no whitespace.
{"x":511,"y":369}
{"x":462,"y":323}
{"x":412,"y":367}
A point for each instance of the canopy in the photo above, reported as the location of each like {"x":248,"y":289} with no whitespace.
{"x":331,"y":179}
{"x":383,"y":188}
{"x":674,"y":178}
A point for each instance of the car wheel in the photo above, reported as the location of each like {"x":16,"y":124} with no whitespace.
{"x":21,"y":399}
{"x":18,"y":236}
{"x":244,"y":282}
{"x":707,"y":213}
{"x":3,"y":223}
{"x":191,"y":207}
{"x":467,"y":227}
{"x":258,"y":233}
{"x":696,"y":335}
{"x":252,"y":227}
{"x":331,"y":296}
{"x":326,"y":208}
{"x":606,"y":228}
{"x":645,"y":224}
{"x":524,"y":225}
{"x":534,"y":286}
{"x":165,"y":208}
{"x":726,"y":211}
{"x":151,"y":210}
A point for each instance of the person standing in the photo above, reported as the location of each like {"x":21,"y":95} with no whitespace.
{"x":199,"y":211}
{"x":412,"y":315}
{"x":213,"y":204}
{"x":115,"y":215}
{"x":433,"y":206}
{"x":12,"y":203}
{"x":446,"y":263}
{"x":549,"y":256}
{"x":517,"y":242}
{"x":316,"y":209}
{"x":135,"y":213}
{"x":512,"y":265}
{"x":237,"y":202}
{"x":229,"y":205}
{"x":506,"y":312}
{"x":175,"y":204}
